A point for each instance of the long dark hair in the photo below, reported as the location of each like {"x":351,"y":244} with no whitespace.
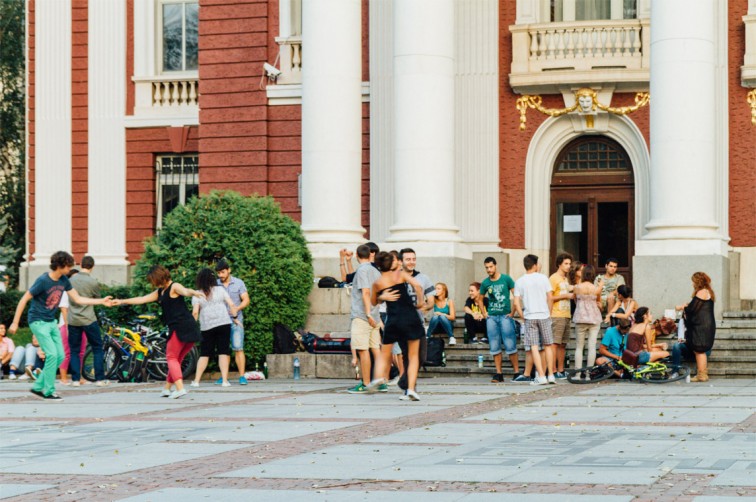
{"x":589,"y":273}
{"x":640,"y":313}
{"x":206,"y":280}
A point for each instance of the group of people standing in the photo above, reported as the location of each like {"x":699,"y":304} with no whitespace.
{"x":217,"y":304}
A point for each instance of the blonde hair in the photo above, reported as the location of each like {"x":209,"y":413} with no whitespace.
{"x":444,"y":289}
{"x":702,"y":281}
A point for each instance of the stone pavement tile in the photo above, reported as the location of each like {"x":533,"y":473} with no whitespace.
{"x":739,"y":474}
{"x":12,"y":394}
{"x":390,"y":398}
{"x":724,"y":499}
{"x":243,"y":430}
{"x":716,"y":415}
{"x":153,"y":397}
{"x":44,"y":409}
{"x":271,"y":409}
{"x":13,"y":490}
{"x":305,"y":385}
{"x":451,"y":433}
{"x":184,"y":494}
{"x":629,"y":401}
{"x":736,"y":401}
{"x":73,"y":458}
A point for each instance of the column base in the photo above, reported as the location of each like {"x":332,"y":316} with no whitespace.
{"x":661,"y":282}
{"x":105,"y":273}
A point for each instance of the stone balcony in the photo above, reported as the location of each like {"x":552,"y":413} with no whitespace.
{"x":552,"y":56}
{"x":166,"y":100}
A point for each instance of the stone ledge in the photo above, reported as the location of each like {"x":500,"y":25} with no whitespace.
{"x":311,"y":365}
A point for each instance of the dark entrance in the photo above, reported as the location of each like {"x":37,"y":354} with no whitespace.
{"x":592,"y":203}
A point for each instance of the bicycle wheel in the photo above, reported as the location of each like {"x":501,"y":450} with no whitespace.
{"x":665,"y":375}
{"x":157,"y":365}
{"x":189,"y":364}
{"x":591,"y":374}
{"x":110,"y":362}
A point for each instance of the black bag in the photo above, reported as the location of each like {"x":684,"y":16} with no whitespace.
{"x":435,"y":353}
{"x":328,"y":282}
{"x":284,"y":341}
{"x":332,"y":345}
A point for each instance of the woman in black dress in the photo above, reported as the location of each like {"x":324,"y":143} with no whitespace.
{"x":403,"y":324}
{"x":700,"y":326}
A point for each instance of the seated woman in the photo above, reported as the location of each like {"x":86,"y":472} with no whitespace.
{"x":624,"y":307}
{"x":476,"y":312}
{"x":7,"y":347}
{"x":26,"y":361}
{"x":639,"y":339}
{"x":443,"y":314}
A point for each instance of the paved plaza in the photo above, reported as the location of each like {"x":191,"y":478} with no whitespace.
{"x":309,"y":440}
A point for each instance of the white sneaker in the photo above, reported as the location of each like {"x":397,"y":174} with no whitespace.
{"x":393,"y":381}
{"x":76,"y":384}
{"x":452,"y":341}
{"x":177,"y":394}
{"x":224,"y":384}
{"x":102,"y":383}
{"x":373,"y":386}
{"x":539,"y":380}
{"x":23,"y":377}
{"x":551,"y":379}
{"x":194,"y":384}
{"x":404,"y":397}
{"x":412,"y":395}
{"x":12,"y":376}
{"x":165,"y":393}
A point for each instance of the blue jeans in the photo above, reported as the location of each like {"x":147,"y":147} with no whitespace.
{"x":94,"y":337}
{"x":680,"y":352}
{"x":440,"y":321}
{"x":237,"y":337}
{"x":501,"y":332}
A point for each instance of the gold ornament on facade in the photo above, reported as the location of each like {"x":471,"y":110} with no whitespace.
{"x":586,"y":104}
{"x":752,"y":101}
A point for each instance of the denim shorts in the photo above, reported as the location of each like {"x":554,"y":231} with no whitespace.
{"x":237,"y":337}
{"x":643,"y":357}
{"x":501,"y":331}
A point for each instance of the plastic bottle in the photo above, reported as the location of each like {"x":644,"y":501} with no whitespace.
{"x":443,"y":358}
{"x":466,"y":336}
{"x":265,"y":369}
{"x":257,"y":366}
{"x":480,"y":361}
{"x":296,"y":368}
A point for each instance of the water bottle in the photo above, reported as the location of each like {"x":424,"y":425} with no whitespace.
{"x":443,"y":358}
{"x":466,"y":336}
{"x":480,"y":361}
{"x":265,"y":369}
{"x":296,"y":368}
{"x":257,"y":366}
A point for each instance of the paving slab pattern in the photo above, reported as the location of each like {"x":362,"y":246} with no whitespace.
{"x":310,"y":440}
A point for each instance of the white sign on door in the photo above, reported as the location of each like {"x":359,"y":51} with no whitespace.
{"x":573,"y":223}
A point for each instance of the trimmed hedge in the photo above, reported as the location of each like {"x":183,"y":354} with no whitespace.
{"x":264,"y":248}
{"x":8,"y":302}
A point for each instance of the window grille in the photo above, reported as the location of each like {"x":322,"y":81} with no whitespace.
{"x":177,"y":182}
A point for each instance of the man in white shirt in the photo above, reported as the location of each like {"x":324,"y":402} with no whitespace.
{"x":533,"y":302}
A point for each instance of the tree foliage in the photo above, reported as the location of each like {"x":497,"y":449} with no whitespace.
{"x":12,"y":133}
{"x":265,"y":248}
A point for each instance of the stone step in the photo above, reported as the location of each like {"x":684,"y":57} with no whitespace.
{"x":739,"y":314}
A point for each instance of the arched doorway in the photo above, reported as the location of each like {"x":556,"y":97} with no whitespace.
{"x":592,"y":203}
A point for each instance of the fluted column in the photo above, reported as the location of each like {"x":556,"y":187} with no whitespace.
{"x":424,"y":121}
{"x":52,"y":122}
{"x":107,"y":136}
{"x":684,"y":161}
{"x":331,"y":121}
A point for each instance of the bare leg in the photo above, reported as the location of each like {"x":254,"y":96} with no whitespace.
{"x":561,"y":351}
{"x":549,"y":356}
{"x":201,"y":367}
{"x":655,"y":355}
{"x":528,"y":363}
{"x":383,"y":361}
{"x":537,"y":360}
{"x":497,"y":362}
{"x":241,"y":361}
{"x":701,"y":361}
{"x":224,"y":362}
{"x":413,"y":349}
{"x":364,"y":365}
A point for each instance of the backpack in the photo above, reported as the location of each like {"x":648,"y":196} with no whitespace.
{"x":284,"y":341}
{"x":328,"y":282}
{"x":434,"y":355}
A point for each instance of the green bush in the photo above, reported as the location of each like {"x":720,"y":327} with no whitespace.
{"x":125,"y":313}
{"x":265,"y":249}
{"x":8,"y":302}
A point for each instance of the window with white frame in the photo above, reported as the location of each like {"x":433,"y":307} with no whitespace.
{"x":178,"y":22}
{"x":177,"y":182}
{"x":592,"y":10}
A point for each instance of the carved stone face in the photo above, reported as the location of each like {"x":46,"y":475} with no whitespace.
{"x":586,"y":103}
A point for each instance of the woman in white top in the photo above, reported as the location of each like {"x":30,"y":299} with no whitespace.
{"x":215,"y":324}
{"x":587,"y":316}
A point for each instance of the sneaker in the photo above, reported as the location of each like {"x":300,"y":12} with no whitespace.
{"x":358,"y":389}
{"x":28,"y":371}
{"x":412,"y":395}
{"x":373,"y":386}
{"x":11,"y":376}
{"x":404,"y":397}
{"x":560,"y":375}
{"x":475,"y":340}
{"x":225,"y":384}
{"x":551,"y":379}
{"x":194,"y":384}
{"x":54,"y":397}
{"x":452,"y":341}
{"x":102,"y":383}
{"x":522,"y":379}
{"x":37,"y":393}
{"x":393,"y":381}
{"x":497,"y":378}
{"x":76,"y":384}
{"x":242,"y":380}
{"x":539,"y":380}
{"x":177,"y":394}
{"x":23,"y":377}
{"x":35,"y":374}
{"x":383,"y":387}
{"x":484,"y":340}
{"x":64,"y":382}
{"x":219,"y":381}
{"x":165,"y":393}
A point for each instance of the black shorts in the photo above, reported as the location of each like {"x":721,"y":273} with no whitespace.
{"x":401,"y":331}
{"x":216,"y":341}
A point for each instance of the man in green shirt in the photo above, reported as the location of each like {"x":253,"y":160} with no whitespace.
{"x":499,"y":324}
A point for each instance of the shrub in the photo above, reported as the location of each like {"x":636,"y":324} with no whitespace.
{"x":264,"y":248}
{"x":8,"y":302}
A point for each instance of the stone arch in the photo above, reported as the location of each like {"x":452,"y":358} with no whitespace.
{"x":544,"y":147}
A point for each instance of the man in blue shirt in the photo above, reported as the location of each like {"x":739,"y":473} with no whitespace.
{"x":613,"y":344}
{"x":237,"y":290}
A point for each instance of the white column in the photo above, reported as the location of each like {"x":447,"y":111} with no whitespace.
{"x":107,"y":136}
{"x":424,"y":121}
{"x":284,"y":18}
{"x":332,"y":121}
{"x":684,"y":163}
{"x":52,"y":122}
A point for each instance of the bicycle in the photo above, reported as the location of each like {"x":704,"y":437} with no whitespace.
{"x":651,"y":372}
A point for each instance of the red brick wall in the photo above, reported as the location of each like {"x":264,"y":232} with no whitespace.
{"x":514,"y":144}
{"x":79,"y":129}
{"x":233,"y":140}
{"x":142,"y":147}
{"x":742,"y":137}
{"x":30,"y":223}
